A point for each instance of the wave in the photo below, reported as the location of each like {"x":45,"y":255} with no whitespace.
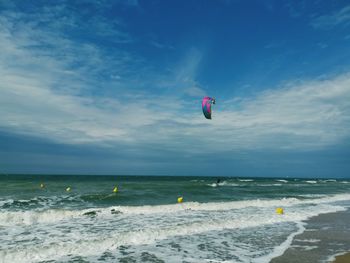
{"x":329,"y":180}
{"x":6,"y":202}
{"x":282,"y":180}
{"x":312,"y":195}
{"x":39,"y":201}
{"x":332,"y":257}
{"x":53,"y":215}
{"x":246,"y":180}
{"x":308,"y":240}
{"x":266,"y":185}
{"x":311,"y":182}
{"x":279,"y":250}
{"x":196,"y":181}
{"x":224,"y":183}
{"x":97,"y":244}
{"x":22,"y":203}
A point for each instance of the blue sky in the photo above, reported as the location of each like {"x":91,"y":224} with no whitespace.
{"x":115,"y":87}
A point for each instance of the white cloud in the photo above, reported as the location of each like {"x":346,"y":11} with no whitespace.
{"x":306,"y":116}
{"x":181,"y":78}
{"x":43,"y":94}
{"x":340,"y":17}
{"x":159,"y":45}
{"x":195,"y":91}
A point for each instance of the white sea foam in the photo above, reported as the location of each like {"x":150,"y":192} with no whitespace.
{"x":308,"y":240}
{"x":29,"y":217}
{"x":6,"y":202}
{"x":311,"y":182}
{"x":312,"y":195}
{"x":279,"y":250}
{"x":226,"y":183}
{"x":332,"y":257}
{"x":282,"y":180}
{"x":40,"y":201}
{"x":246,"y":180}
{"x":305,"y":248}
{"x":269,"y":185}
{"x":329,"y":180}
{"x":91,"y":243}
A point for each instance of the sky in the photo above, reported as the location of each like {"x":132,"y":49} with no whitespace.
{"x":115,"y":87}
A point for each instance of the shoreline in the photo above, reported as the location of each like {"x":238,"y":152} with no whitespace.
{"x":325,"y":239}
{"x":344,"y":258}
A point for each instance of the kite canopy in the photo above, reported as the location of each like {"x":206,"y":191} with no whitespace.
{"x":206,"y":106}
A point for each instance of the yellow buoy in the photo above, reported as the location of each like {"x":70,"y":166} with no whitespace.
{"x":279,"y":210}
{"x":180,"y":199}
{"x":42,"y":185}
{"x":68,"y":189}
{"x":115,"y":189}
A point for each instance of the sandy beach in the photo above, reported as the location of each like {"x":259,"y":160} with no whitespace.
{"x":325,"y":237}
{"x":342,"y":258}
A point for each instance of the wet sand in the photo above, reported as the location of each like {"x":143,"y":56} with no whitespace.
{"x":342,"y":259}
{"x":325,"y":236}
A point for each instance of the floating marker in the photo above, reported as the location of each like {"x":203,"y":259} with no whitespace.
{"x":115,"y":189}
{"x":279,"y":210}
{"x":42,"y":185}
{"x":68,"y":189}
{"x":180,"y":199}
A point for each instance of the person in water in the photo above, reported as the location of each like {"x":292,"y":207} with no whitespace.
{"x":218,"y":181}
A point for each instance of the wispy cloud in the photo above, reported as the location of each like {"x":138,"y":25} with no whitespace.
{"x":309,"y":115}
{"x":340,"y":17}
{"x":159,"y":45}
{"x":51,"y":83}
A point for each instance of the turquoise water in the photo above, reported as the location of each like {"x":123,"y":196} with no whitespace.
{"x":143,"y":222}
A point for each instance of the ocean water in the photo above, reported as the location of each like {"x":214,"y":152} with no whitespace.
{"x":234,"y":221}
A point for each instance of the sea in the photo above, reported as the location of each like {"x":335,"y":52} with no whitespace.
{"x":234,"y":220}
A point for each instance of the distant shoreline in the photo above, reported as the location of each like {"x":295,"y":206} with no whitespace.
{"x":2,"y":174}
